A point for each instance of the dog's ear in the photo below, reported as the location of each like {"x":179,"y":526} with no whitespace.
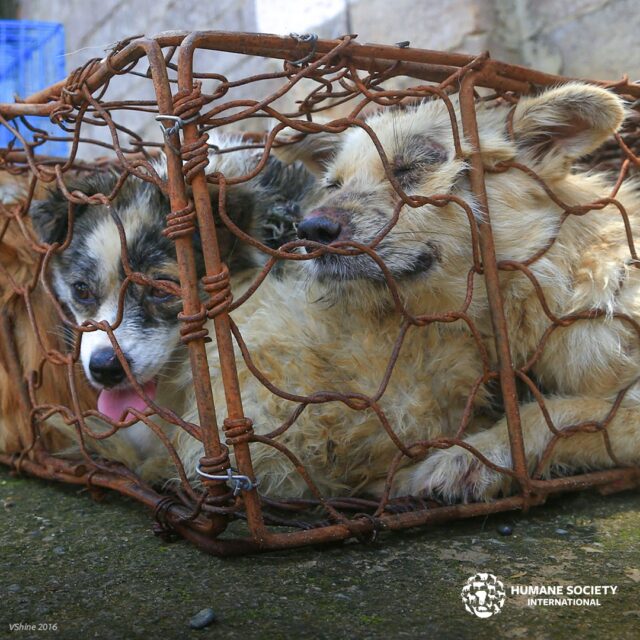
{"x":566,"y":123}
{"x":285,"y":181}
{"x":314,"y":150}
{"x":50,"y":217}
{"x":268,"y":207}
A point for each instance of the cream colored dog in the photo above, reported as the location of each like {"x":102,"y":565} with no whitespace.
{"x":589,"y":268}
{"x":334,"y":331}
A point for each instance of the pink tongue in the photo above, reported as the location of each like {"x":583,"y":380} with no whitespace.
{"x":114,"y":403}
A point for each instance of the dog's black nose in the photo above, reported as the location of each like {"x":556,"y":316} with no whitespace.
{"x":319,"y":229}
{"x":106,"y":368}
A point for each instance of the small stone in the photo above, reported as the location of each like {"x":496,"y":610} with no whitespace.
{"x":505,"y":530}
{"x":13,"y":588}
{"x":562,"y":532}
{"x":58,"y":550}
{"x":203,"y":619}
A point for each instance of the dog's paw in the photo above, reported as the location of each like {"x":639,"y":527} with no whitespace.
{"x":456,"y":475}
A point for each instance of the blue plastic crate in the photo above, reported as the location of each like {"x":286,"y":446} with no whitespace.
{"x":31,"y":59}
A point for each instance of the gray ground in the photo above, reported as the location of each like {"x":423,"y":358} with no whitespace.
{"x":96,"y":571}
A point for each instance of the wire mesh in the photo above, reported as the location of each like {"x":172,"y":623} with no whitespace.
{"x":292,"y":396}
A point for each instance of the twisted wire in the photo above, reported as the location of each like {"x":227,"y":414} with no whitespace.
{"x":193,"y":326}
{"x":181,"y":223}
{"x":238,"y":430}
{"x":195,"y":156}
{"x":218,"y":286}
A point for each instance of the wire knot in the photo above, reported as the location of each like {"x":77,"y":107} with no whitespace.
{"x":162,"y":527}
{"x":238,"y":430}
{"x":214,"y":465}
{"x":116,"y":48}
{"x":76,"y":80}
{"x":187,"y":104}
{"x":60,"y":113}
{"x":237,"y":481}
{"x":181,"y":223}
{"x":195,"y":156}
{"x":304,"y":38}
{"x":218,"y":286}
{"x":193,"y":326}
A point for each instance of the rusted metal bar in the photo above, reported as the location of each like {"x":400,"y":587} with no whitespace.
{"x":365,"y":57}
{"x":217,"y":272}
{"x":492,"y":282}
{"x":188,"y":277}
{"x":198,"y":533}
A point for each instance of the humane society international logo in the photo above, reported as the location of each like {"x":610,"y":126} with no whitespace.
{"x":483,"y":595}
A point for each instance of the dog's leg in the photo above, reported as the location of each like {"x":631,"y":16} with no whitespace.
{"x":456,"y":474}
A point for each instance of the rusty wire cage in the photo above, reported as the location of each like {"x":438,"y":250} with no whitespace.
{"x":340,"y":80}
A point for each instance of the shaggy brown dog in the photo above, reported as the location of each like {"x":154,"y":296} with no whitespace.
{"x":23,"y":354}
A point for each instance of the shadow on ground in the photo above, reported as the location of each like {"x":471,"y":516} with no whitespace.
{"x":96,"y":571}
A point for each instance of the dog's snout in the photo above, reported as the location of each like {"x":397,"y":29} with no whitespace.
{"x":319,"y":228}
{"x":106,"y":368}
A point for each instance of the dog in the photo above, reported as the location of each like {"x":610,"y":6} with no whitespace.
{"x":586,"y":365}
{"x":27,"y":342}
{"x":327,"y":337}
{"x":88,"y":275}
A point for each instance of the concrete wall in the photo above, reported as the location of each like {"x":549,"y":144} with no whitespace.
{"x":92,"y":26}
{"x":584,"y":38}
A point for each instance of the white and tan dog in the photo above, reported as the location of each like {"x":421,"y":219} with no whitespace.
{"x":335,"y":331}
{"x":588,"y":269}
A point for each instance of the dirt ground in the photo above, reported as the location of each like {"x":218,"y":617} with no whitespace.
{"x":96,"y":571}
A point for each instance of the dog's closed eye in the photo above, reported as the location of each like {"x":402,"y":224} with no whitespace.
{"x":405,"y":169}
{"x":418,"y":154}
{"x":332,"y":185}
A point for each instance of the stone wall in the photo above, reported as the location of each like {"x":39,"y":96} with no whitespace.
{"x":580,"y":38}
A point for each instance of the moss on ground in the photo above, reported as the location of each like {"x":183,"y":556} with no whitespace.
{"x":98,"y":572}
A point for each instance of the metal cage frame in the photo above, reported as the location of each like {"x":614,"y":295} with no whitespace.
{"x":202,"y":518}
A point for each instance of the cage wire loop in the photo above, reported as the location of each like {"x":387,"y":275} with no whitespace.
{"x":176,"y":127}
{"x":237,"y":481}
{"x":186,"y":107}
{"x":304,"y":38}
{"x":327,"y":91}
{"x":218,"y":287}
